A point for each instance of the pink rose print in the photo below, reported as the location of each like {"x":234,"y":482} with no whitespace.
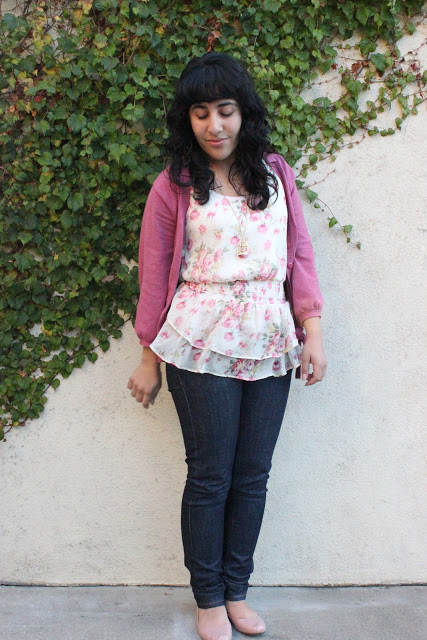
{"x":254,"y":216}
{"x":196,"y":273}
{"x":181,"y":305}
{"x":199,"y":343}
{"x":211,"y":214}
{"x":178,"y":320}
{"x":267,"y":245}
{"x":242,"y":345}
{"x":228,"y":336}
{"x":265,"y":270}
{"x":282,"y":262}
{"x":197,"y":356}
{"x":189,"y":244}
{"x":268,"y":216}
{"x":164,"y":334}
{"x":208,"y":262}
{"x":201,"y":257}
{"x":194,"y":214}
{"x":211,"y":303}
{"x":229,"y":352}
{"x":202,"y":229}
{"x":262,"y":228}
{"x":276,"y":231}
{"x":268,"y":314}
{"x":228,"y":322}
{"x":218,"y":235}
{"x":238,"y":288}
{"x":276,"y":365}
{"x":288,"y":341}
{"x":217,"y":255}
{"x":239,"y":309}
{"x":234,"y":240}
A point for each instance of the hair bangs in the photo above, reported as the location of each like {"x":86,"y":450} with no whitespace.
{"x":207,"y":84}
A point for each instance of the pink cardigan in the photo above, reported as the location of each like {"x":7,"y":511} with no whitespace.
{"x":160,"y":250}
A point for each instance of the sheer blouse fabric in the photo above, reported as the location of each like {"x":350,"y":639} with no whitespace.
{"x":229,"y":315}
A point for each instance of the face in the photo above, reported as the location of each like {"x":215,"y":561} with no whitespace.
{"x":216,"y":126}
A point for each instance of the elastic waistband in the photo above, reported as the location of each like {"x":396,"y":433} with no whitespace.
{"x":245,"y":289}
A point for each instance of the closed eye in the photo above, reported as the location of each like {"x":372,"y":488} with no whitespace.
{"x":223,"y":115}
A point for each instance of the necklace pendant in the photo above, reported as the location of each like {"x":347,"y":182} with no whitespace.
{"x":242,"y":248}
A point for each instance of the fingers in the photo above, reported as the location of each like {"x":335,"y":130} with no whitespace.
{"x":317,"y":374}
{"x":305,"y":363}
{"x":140,"y":395}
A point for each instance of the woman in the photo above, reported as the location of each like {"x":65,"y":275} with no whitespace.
{"x":227,"y":284}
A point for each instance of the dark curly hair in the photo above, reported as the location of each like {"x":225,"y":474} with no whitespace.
{"x":205,"y":79}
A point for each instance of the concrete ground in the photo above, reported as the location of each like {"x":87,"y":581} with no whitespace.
{"x":168,"y":613}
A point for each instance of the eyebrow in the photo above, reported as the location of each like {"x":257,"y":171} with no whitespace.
{"x":222,"y":104}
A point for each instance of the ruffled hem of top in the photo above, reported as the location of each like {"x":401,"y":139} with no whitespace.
{"x":255,"y":327}
{"x":173,"y":348}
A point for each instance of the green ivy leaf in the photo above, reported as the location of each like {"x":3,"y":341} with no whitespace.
{"x":75,"y":201}
{"x":24,"y":237}
{"x":76,"y":122}
{"x":312,"y":195}
{"x":379,"y":60}
{"x":9,"y":22}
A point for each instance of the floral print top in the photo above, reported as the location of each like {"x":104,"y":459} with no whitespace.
{"x":229,"y":315}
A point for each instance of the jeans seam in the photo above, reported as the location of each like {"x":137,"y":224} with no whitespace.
{"x":190,"y":503}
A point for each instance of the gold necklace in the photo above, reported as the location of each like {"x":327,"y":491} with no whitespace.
{"x":242,"y":248}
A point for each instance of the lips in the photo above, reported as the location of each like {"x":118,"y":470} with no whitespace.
{"x":217,"y":143}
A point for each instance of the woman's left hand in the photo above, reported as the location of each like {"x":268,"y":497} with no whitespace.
{"x":313,"y":352}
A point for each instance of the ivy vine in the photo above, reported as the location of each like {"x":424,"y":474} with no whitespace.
{"x":84,"y":87}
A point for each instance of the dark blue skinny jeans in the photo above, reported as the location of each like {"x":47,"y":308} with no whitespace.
{"x":230,"y":428}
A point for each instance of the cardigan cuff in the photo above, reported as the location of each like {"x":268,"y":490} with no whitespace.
{"x":309,"y":314}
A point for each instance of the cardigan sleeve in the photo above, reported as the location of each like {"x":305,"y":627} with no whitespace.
{"x":306,"y":294}
{"x":156,"y":249}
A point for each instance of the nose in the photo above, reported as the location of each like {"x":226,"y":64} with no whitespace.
{"x":214,"y":125}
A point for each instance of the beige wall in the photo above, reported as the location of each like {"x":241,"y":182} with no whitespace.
{"x":91,"y":491}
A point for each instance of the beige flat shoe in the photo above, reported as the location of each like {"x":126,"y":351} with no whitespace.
{"x":248,"y":626}
{"x":208,"y":631}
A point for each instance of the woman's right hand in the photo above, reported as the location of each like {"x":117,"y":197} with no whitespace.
{"x":146,"y":381}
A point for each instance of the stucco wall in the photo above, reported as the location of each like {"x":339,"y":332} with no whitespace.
{"x":91,"y":491}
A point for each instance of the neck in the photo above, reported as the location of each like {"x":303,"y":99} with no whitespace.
{"x":222,"y":167}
